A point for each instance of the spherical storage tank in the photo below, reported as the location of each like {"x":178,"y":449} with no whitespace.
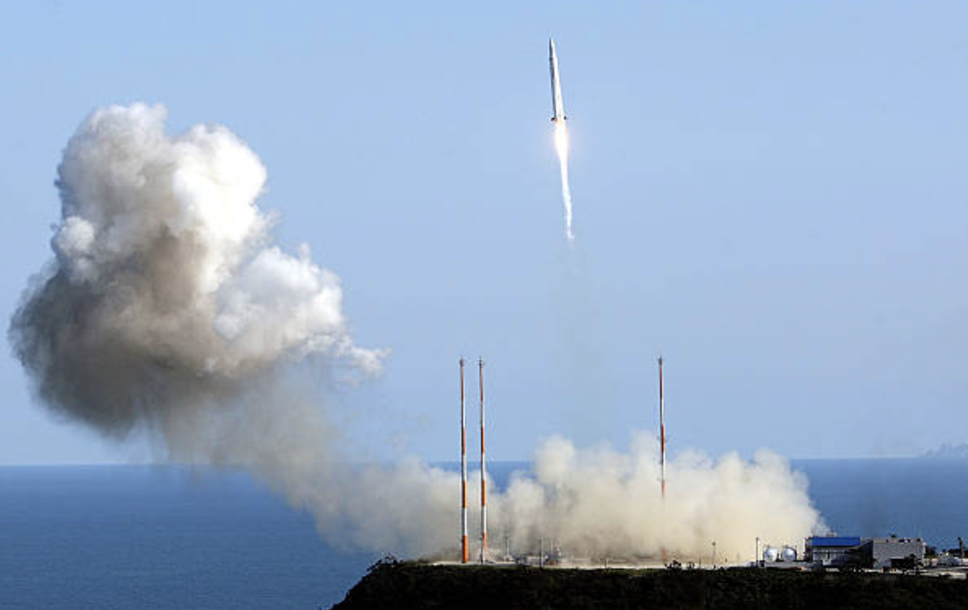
{"x":788,"y":554}
{"x":770,"y":553}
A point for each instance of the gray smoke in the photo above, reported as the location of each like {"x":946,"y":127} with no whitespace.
{"x":168,"y":311}
{"x":166,"y":293}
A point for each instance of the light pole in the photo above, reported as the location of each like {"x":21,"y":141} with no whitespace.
{"x":714,"y":554}
{"x":756,"y":558}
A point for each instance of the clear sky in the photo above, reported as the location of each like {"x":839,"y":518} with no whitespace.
{"x":773,"y":195}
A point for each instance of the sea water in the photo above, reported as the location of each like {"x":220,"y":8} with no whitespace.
{"x":141,"y":537}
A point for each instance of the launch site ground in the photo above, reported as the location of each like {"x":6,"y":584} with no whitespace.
{"x":418,"y":585}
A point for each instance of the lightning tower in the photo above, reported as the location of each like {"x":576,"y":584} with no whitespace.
{"x":480,"y":368}
{"x":463,"y":469}
{"x":662,"y":440}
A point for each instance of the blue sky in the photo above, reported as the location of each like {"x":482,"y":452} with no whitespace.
{"x":771,"y":195}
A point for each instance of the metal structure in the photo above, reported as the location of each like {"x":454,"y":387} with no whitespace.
{"x":463,"y":469}
{"x":480,"y":368}
{"x":662,"y":439}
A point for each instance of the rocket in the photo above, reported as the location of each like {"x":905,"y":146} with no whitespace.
{"x":557,"y":105}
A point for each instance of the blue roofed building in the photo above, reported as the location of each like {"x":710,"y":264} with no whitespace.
{"x":833,"y":550}
{"x":877,"y":553}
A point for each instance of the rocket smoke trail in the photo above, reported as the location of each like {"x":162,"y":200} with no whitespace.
{"x":167,"y":312}
{"x":561,"y":146}
{"x":561,"y":135}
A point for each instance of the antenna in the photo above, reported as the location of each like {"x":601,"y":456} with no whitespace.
{"x":463,"y":469}
{"x":480,"y":368}
{"x":662,"y":439}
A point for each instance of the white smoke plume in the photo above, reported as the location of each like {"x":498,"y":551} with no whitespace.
{"x":168,"y":311}
{"x":561,"y":147}
{"x":600,"y":502}
{"x":166,"y":291}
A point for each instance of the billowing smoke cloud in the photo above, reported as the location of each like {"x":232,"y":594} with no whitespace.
{"x":168,"y":311}
{"x":596,"y":503}
{"x":166,"y":293}
{"x":600,"y":502}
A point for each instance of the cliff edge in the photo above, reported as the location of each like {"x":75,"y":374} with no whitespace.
{"x":404,"y":585}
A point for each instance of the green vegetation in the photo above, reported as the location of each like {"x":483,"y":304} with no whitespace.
{"x":403,"y":585}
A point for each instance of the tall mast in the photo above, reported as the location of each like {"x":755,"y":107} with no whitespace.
{"x":463,"y":469}
{"x":662,"y":440}
{"x":480,"y":368}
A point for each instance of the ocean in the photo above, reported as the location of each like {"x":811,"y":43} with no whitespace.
{"x":168,"y":537}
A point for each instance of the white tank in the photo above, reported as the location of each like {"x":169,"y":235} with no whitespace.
{"x":788,"y":554}
{"x":770,"y":553}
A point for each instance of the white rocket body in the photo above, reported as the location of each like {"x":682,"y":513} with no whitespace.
{"x":557,"y":105}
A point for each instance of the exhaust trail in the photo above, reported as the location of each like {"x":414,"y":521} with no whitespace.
{"x":561,"y":136}
{"x":561,"y":147}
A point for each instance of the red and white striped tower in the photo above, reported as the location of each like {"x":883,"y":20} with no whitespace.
{"x":662,"y":459}
{"x":463,"y":470}
{"x":480,"y":368}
